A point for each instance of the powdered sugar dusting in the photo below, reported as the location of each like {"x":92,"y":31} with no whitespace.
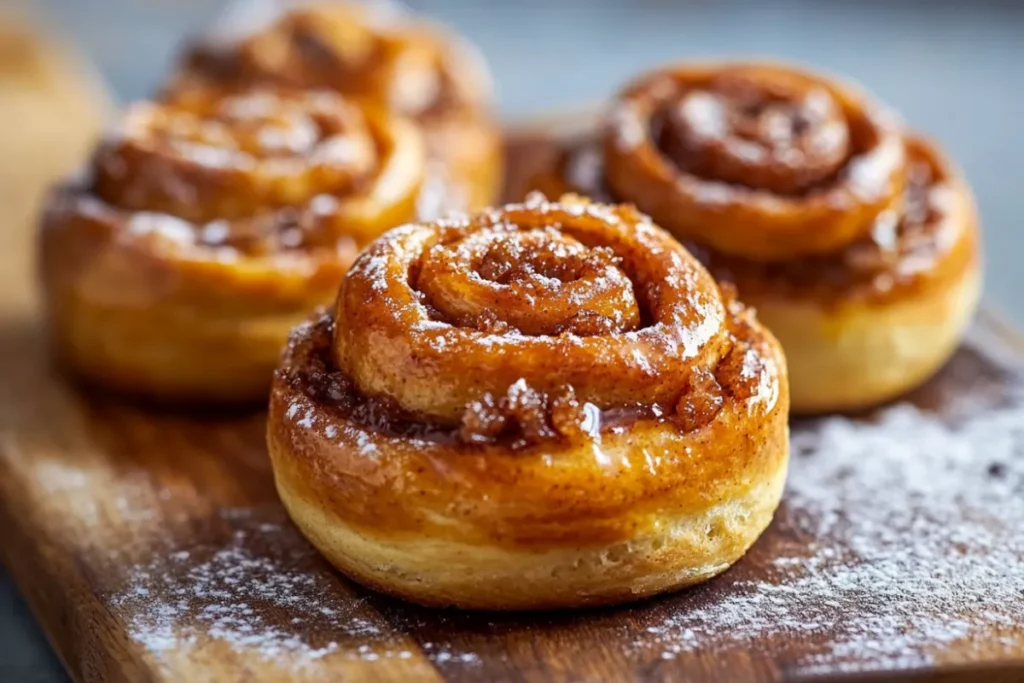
{"x":906,"y":541}
{"x":899,"y":543}
{"x":263,"y":593}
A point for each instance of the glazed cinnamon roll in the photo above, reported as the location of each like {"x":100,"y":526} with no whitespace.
{"x":543,"y":405}
{"x":856,"y":242}
{"x":207,"y":228}
{"x":376,"y":53}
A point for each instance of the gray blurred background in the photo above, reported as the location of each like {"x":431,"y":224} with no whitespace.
{"x":954,"y":68}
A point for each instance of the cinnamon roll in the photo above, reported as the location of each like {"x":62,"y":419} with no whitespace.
{"x":543,"y":405}
{"x":856,"y":242}
{"x":373,"y":52}
{"x":207,"y":227}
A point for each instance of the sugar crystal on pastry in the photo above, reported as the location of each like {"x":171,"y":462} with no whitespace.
{"x":517,"y":396}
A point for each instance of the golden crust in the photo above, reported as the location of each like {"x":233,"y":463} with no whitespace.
{"x":868,"y":318}
{"x":860,"y":353}
{"x":883,"y":334}
{"x":637,"y":503}
{"x":138,"y":316}
{"x":166,"y":275}
{"x":675,"y":550}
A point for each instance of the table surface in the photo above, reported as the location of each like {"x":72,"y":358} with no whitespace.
{"x":952,"y":68}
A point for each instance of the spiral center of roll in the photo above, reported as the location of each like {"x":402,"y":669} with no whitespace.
{"x":362,"y":51}
{"x":312,"y":47}
{"x":205,"y":158}
{"x":263,"y":127}
{"x":539,"y":282}
{"x":249,"y":125}
{"x":780,"y":137}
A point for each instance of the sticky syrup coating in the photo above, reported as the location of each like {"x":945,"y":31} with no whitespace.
{"x":524,"y":429}
{"x":392,"y":343}
{"x":781,"y":136}
{"x":252,"y":172}
{"x":506,"y":469}
{"x":522,"y":409}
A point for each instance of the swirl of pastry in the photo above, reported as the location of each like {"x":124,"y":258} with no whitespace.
{"x":542,"y":405}
{"x":856,"y":242}
{"x":868,"y":322}
{"x":377,"y":53}
{"x":209,"y":226}
{"x":752,"y":160}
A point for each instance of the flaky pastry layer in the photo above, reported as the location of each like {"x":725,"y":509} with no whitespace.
{"x":553,"y":395}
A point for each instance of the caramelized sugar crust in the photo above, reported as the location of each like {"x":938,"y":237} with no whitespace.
{"x":431,"y":404}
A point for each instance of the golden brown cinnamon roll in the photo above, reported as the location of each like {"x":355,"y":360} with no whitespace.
{"x":544,"y":405}
{"x":210,"y":226}
{"x":376,"y":53}
{"x":856,"y":242}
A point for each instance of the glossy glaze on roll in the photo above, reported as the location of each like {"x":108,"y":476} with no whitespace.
{"x":207,"y":227}
{"x":372,"y":52}
{"x":856,"y":241}
{"x":544,"y":405}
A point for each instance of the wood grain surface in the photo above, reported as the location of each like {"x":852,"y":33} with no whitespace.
{"x":152,"y":547}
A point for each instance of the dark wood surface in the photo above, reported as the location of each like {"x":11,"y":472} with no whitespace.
{"x":152,"y":547}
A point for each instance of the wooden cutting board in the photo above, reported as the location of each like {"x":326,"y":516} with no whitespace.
{"x":152,"y":547}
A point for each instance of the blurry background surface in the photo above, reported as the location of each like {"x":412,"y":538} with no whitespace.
{"x":955,"y":69}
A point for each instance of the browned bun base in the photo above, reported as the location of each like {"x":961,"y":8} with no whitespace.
{"x":855,"y":354}
{"x":687,"y":549}
{"x":505,"y":463}
{"x":488,"y":527}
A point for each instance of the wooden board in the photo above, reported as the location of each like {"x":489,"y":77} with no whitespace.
{"x":152,"y":547}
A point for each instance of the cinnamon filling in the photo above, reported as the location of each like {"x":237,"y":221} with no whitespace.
{"x":523,"y":416}
{"x":239,"y":166}
{"x":251,"y":173}
{"x":897,"y":250}
{"x":534,"y":282}
{"x":763,"y":135}
{"x":353,"y":50}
